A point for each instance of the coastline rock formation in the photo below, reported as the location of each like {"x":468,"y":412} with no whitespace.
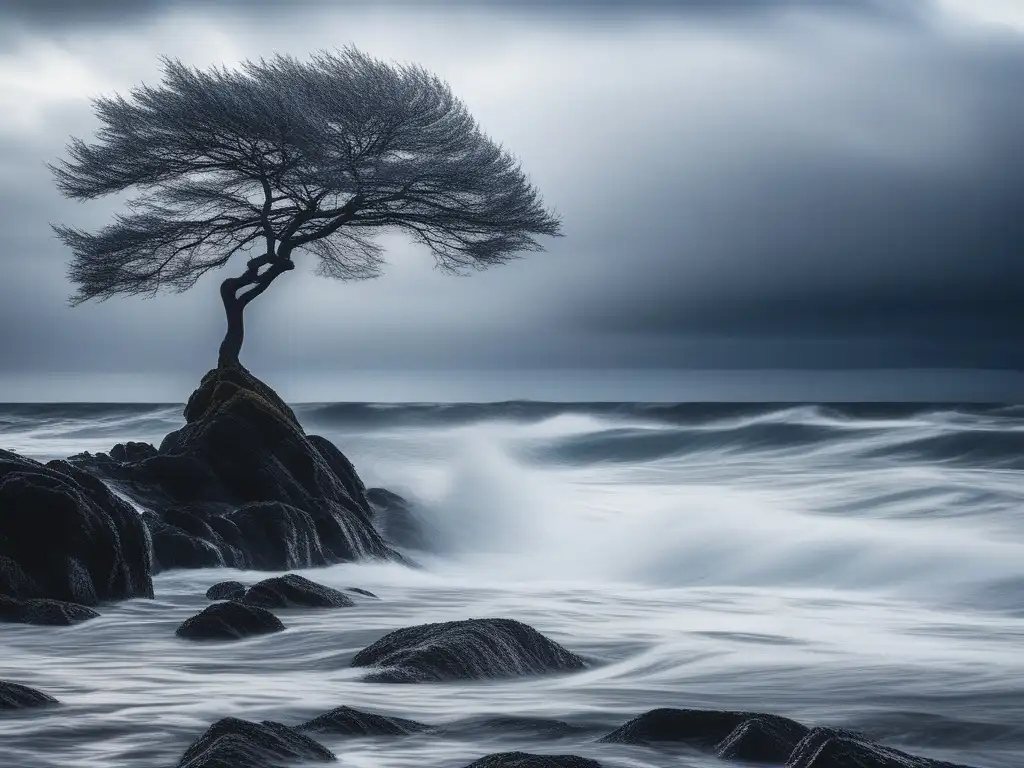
{"x":232,"y":742}
{"x":64,"y":536}
{"x":229,"y":621}
{"x":241,"y":485}
{"x":294,"y":591}
{"x":52,"y":613}
{"x":472,"y":649}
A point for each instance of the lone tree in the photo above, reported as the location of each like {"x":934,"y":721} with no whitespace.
{"x":287,"y":156}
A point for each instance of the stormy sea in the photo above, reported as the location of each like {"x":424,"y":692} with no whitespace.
{"x":858,"y":566}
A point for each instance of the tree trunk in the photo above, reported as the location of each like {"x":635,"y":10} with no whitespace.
{"x":235,"y":303}
{"x":231,"y":346}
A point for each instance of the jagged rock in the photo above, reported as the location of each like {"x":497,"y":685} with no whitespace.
{"x":278,"y":536}
{"x":242,"y":485}
{"x":526,"y":760}
{"x":835,"y":748}
{"x":294,"y":591}
{"x":397,"y":521}
{"x":758,"y":741}
{"x":226,"y":590}
{"x":464,"y":650}
{"x":44,"y":612}
{"x":700,"y":728}
{"x":229,"y":621}
{"x":352,"y":722}
{"x":16,"y":696}
{"x":65,"y":536}
{"x":235,"y":743}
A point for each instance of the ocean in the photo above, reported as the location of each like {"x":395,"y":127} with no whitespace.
{"x":858,"y":566}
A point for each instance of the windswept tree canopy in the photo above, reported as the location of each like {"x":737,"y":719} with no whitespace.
{"x":284,"y":155}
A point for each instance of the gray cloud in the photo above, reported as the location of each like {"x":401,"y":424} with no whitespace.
{"x":817,"y":190}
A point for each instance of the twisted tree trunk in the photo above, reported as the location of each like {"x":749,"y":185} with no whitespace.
{"x":235,"y":302}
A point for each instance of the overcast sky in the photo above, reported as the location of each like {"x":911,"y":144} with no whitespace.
{"x":753,"y":184}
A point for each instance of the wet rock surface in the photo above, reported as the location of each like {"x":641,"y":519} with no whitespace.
{"x":229,"y":621}
{"x":294,"y":591}
{"x":17,"y":696}
{"x":241,"y":485}
{"x":64,"y":536}
{"x":44,"y":612}
{"x":236,"y":743}
{"x":352,"y":722}
{"x":465,"y":650}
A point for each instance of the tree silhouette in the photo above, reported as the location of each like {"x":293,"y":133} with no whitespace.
{"x":287,"y":156}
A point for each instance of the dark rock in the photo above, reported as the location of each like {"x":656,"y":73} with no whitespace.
{"x":242,"y":485}
{"x":397,"y":520}
{"x":758,"y":741}
{"x":464,"y":650}
{"x":52,"y":613}
{"x":235,"y":743}
{"x":229,"y":621}
{"x":132,"y":451}
{"x":226,"y":590}
{"x":294,"y":591}
{"x":835,"y":748}
{"x":15,"y":583}
{"x":352,"y":722}
{"x":278,"y":536}
{"x":700,"y":728}
{"x":175,"y":548}
{"x":69,"y":537}
{"x":525,"y":760}
{"x":15,"y":696}
{"x":363,"y":592}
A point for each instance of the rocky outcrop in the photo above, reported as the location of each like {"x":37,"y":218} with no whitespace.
{"x":242,"y":485}
{"x":235,"y":743}
{"x":64,"y":536}
{"x":44,"y":612}
{"x":294,"y":591}
{"x":16,"y":696}
{"x":351,"y":722}
{"x":527,"y":760}
{"x":700,"y":728}
{"x":229,"y":621}
{"x":226,"y":590}
{"x":464,"y":650}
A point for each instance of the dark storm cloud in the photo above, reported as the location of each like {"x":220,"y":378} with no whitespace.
{"x":811,"y":193}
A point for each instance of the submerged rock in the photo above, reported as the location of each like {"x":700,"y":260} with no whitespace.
{"x":235,"y":743}
{"x":700,"y":728}
{"x":229,"y":621}
{"x":16,"y":696}
{"x":464,"y":650}
{"x":835,"y":748}
{"x":527,"y":726}
{"x":294,"y":591}
{"x":352,"y":722}
{"x":242,"y":485}
{"x":527,"y":760}
{"x":44,"y":612}
{"x":226,"y":590}
{"x":65,"y":536}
